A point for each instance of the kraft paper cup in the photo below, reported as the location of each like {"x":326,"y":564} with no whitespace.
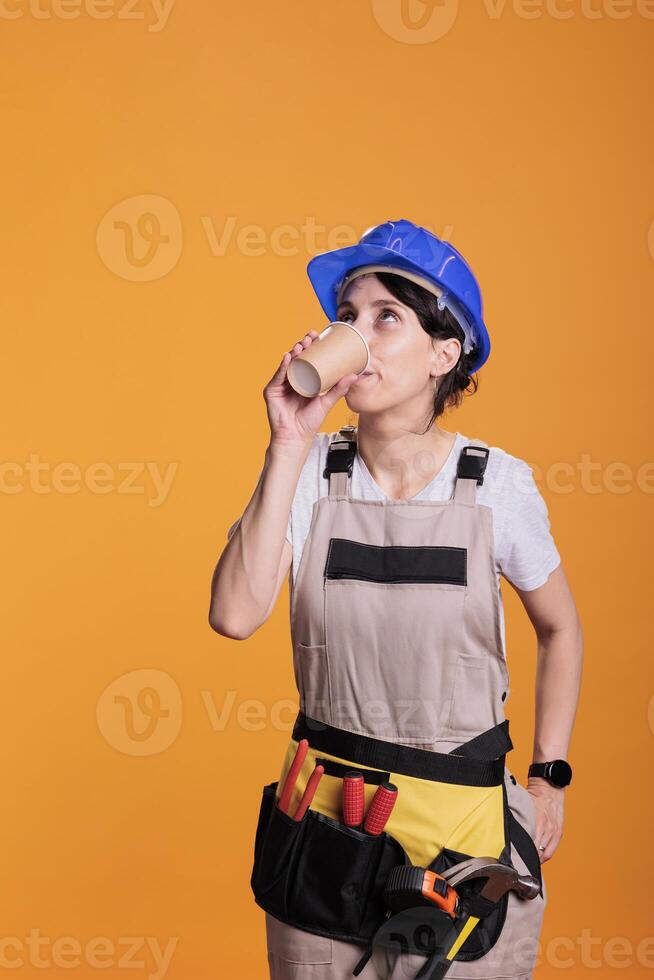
{"x":339,"y":350}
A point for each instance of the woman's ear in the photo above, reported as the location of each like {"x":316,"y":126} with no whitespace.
{"x":445,"y":356}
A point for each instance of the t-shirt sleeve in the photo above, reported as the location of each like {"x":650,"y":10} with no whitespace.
{"x":528,"y":554}
{"x":307,"y":492}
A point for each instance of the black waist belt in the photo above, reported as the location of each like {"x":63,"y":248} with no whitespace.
{"x":479,"y":762}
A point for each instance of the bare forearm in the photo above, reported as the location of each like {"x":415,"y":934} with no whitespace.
{"x":244,"y":580}
{"x":558,"y":682}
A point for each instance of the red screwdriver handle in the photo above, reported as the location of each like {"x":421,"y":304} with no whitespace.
{"x":309,"y":792}
{"x":380,"y":809}
{"x":292,"y":774}
{"x":353,"y":798}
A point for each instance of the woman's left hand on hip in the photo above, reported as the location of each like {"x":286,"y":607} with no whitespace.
{"x":548,"y":801}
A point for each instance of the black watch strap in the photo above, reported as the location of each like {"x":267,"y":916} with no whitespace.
{"x":558,"y":772}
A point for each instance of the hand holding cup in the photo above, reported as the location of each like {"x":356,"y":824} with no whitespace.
{"x":340,"y":348}
{"x":293,"y":418}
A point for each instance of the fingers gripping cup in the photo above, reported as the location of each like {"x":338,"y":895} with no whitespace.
{"x":339,"y":350}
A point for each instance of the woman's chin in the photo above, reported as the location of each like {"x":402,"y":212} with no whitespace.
{"x":354,"y":394}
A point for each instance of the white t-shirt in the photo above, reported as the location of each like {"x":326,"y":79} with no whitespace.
{"x":525,"y":552}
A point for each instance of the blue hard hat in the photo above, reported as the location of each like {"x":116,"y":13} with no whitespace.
{"x":403,"y":246}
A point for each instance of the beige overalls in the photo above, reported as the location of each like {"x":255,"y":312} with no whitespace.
{"x":398,"y":660}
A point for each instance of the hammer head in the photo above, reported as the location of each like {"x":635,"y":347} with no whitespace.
{"x":500,"y":878}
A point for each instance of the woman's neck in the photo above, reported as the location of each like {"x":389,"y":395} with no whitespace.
{"x":402,"y":462}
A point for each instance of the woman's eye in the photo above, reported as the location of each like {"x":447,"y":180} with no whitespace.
{"x":344,"y":316}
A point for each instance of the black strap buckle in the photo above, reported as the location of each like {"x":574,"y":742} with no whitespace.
{"x":472,"y":467}
{"x":339,"y":459}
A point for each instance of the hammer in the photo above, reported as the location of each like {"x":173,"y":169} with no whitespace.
{"x":409,"y":887}
{"x":501,"y":878}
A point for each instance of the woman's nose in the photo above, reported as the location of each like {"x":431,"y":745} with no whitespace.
{"x":366,"y":331}
{"x":364,"y":325}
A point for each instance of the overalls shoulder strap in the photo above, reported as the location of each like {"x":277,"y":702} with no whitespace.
{"x":342,"y":449}
{"x":340,"y":459}
{"x":470,"y":471}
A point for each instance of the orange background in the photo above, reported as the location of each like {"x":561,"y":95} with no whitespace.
{"x":131,"y":338}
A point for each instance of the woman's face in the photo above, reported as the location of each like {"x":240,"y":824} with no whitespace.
{"x":404,"y":360}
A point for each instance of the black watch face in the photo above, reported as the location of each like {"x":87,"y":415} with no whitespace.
{"x":560,"y":772}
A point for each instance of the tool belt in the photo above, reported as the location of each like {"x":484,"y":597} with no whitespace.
{"x":328,"y":878}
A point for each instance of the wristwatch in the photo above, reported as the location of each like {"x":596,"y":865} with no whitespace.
{"x":558,"y":772}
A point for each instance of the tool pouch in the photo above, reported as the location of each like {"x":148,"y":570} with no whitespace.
{"x":492,"y":915}
{"x":424,"y":930}
{"x":319,"y":874}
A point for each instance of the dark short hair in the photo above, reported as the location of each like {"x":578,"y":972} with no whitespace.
{"x":441,"y":325}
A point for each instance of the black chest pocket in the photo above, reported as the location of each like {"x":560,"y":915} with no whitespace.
{"x":396,"y":563}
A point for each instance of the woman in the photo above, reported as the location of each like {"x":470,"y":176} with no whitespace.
{"x":397,"y":537}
